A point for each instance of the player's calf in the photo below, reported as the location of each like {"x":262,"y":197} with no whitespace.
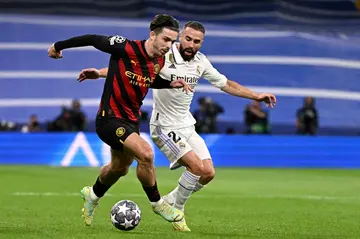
{"x":146,"y":175}
{"x":208,"y":172}
{"x":207,"y":175}
{"x":109,"y":174}
{"x":145,"y":168}
{"x":144,"y":155}
{"x":192,"y":163}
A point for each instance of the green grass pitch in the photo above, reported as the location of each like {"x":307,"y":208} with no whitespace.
{"x":45,"y":202}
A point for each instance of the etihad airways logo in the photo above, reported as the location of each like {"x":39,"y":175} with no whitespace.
{"x":188,"y":79}
{"x":139,"y":80}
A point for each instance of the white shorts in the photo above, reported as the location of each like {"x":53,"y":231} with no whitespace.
{"x":175,"y":143}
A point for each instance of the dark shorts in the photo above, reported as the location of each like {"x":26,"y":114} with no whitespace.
{"x":114,"y":131}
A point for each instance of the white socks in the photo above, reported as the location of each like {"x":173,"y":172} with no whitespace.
{"x":198,"y":187}
{"x":93,"y":197}
{"x":186,"y":185}
{"x":154,"y":204}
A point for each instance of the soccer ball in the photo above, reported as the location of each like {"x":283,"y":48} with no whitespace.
{"x":125,"y":215}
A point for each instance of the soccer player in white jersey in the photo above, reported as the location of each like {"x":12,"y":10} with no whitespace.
{"x":172,"y":124}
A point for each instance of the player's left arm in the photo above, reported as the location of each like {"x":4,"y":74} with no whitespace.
{"x":103,"y":72}
{"x":233,"y":88}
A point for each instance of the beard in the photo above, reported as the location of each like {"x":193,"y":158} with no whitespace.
{"x":186,"y":56}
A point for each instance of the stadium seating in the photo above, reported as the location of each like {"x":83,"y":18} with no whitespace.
{"x":291,"y":64}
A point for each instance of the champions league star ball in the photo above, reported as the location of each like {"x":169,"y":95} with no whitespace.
{"x":125,"y":215}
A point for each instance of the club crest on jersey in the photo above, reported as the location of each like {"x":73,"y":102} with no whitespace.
{"x":172,"y":61}
{"x":156,"y":68}
{"x":182,"y":145}
{"x":116,"y":39}
{"x":171,"y":58}
{"x":120,"y":131}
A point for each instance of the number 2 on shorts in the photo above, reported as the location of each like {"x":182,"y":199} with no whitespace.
{"x":173,"y":136}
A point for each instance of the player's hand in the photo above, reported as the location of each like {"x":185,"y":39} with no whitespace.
{"x":89,"y":73}
{"x":52,"y":53}
{"x":269,"y":99}
{"x":181,"y":84}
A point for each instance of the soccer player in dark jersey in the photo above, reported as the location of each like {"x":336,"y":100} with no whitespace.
{"x":133,"y":69}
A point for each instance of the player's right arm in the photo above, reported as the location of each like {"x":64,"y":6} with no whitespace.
{"x":114,"y":45}
{"x":103,"y":72}
{"x":92,"y":73}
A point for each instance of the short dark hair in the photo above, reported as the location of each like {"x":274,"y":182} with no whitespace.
{"x":195,"y":25}
{"x":162,"y":21}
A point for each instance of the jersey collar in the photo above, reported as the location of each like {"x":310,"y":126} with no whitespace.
{"x":177,"y":56}
{"x":144,"y":49}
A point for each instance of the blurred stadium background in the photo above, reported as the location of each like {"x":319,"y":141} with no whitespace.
{"x":294,"y":49}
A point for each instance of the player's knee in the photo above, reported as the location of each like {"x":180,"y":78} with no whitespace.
{"x":196,"y":167}
{"x":147,"y":157}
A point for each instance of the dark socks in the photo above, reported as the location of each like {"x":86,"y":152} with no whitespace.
{"x":152,"y":193}
{"x":99,"y":188}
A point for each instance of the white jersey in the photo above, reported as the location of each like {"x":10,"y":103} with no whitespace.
{"x":172,"y":106}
